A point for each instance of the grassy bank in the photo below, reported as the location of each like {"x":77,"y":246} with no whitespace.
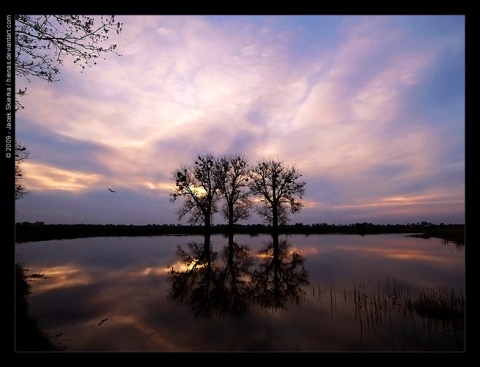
{"x":29,"y":336}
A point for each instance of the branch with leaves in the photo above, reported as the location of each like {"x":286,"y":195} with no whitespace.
{"x":21,"y":154}
{"x":43,"y":41}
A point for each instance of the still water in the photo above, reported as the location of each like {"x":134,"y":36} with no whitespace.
{"x":252,"y":293}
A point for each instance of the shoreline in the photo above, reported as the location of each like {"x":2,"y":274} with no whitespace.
{"x":32,"y":232}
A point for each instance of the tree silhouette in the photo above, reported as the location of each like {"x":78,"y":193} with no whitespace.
{"x":232,"y":174}
{"x":197,"y":184}
{"x":277,"y":186}
{"x":43,"y":41}
{"x":21,"y":154}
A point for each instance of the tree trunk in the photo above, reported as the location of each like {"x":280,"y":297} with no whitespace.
{"x":275,"y":218}
{"x":207,"y":222}
{"x":276,"y":268}
{"x":230,"y":218}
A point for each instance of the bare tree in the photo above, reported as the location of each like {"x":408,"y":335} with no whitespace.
{"x":198,"y":185}
{"x":43,"y":41}
{"x":21,"y":154}
{"x":277,"y":187}
{"x":232,"y":174}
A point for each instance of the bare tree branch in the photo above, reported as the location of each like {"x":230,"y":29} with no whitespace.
{"x":42,"y":42}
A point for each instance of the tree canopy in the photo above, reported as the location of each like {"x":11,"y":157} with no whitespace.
{"x":233,"y":175}
{"x":43,"y":41}
{"x":230,"y":179}
{"x":197,"y":184}
{"x":277,"y":186}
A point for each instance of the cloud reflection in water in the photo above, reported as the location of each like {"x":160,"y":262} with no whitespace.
{"x":126,"y":281}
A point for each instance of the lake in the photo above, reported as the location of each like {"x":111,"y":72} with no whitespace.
{"x":329,"y":293}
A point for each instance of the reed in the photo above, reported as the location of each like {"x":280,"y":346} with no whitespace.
{"x":384,"y":303}
{"x":441,"y":304}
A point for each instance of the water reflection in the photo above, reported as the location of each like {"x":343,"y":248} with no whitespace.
{"x":280,"y":276}
{"x":387,"y":310}
{"x":272,"y":277}
{"x":233,"y":278}
{"x":362,"y":296}
{"x":195,"y":285}
{"x":208,"y":286}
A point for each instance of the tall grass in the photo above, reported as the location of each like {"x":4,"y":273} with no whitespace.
{"x":441,"y":304}
{"x":382,"y":303}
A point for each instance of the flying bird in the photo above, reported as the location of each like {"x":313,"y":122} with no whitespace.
{"x":111,"y":190}
{"x":101,"y":322}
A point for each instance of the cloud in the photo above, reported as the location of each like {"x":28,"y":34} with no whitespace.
{"x":347,"y":115}
{"x":47,"y":177}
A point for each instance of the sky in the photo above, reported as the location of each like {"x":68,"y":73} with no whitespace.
{"x":369,"y":109}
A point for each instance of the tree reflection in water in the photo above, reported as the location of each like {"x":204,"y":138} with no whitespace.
{"x":234,"y":291}
{"x":273,"y":278}
{"x":196,"y":285}
{"x":278,"y":280}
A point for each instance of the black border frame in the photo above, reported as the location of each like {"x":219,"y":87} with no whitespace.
{"x":471,"y":356}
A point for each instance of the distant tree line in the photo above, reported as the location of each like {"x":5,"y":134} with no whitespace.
{"x":230,"y":185}
{"x":29,"y":232}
